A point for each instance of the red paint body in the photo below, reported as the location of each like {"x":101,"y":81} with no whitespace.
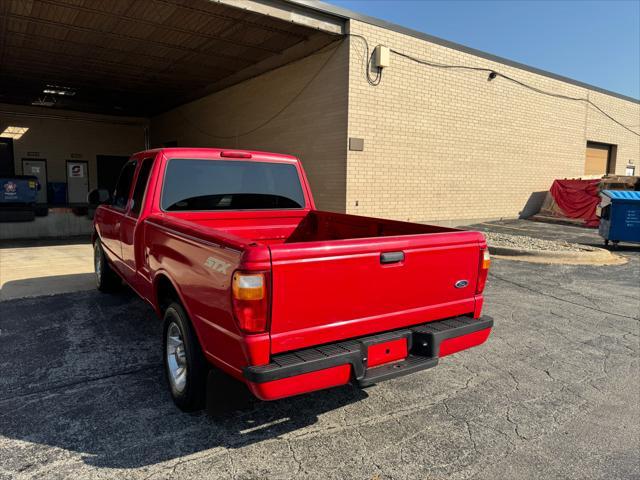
{"x":453,"y":345}
{"x":304,"y":383}
{"x":325,"y":279}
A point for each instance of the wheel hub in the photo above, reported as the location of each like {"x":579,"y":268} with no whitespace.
{"x":176,"y":358}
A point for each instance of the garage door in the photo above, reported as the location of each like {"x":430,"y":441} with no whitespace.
{"x":597,"y":159}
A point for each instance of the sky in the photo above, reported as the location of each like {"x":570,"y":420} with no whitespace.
{"x":596,"y":42}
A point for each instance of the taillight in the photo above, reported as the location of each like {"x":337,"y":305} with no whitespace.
{"x":483,"y":270}
{"x":250,"y":301}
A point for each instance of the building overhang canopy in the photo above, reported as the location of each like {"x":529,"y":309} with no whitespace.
{"x":128,"y":57}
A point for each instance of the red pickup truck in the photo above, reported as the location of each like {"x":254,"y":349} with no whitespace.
{"x":250,"y":279}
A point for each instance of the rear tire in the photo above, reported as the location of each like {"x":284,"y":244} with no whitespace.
{"x":106,"y":279}
{"x":185,"y":367}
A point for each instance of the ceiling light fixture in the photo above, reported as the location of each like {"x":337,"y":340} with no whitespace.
{"x":58,"y":90}
{"x":14,"y":132}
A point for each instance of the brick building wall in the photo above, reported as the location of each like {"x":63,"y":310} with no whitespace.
{"x":313,"y":127}
{"x":440,"y":146}
{"x":445,"y":145}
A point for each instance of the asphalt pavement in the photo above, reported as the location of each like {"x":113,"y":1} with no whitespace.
{"x":554,"y":393}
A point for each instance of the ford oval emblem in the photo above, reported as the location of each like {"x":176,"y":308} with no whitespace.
{"x":462,"y":283}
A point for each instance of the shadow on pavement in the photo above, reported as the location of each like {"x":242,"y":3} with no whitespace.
{"x":46,"y":242}
{"x":83,"y":372}
{"x":53,"y":285}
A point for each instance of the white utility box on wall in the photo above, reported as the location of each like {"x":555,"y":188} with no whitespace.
{"x":381,"y":56}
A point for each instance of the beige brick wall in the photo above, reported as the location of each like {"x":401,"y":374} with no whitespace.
{"x":313,"y":127}
{"x":443,"y":145}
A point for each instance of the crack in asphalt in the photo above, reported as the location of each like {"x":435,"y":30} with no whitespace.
{"x":546,"y":294}
{"x":295,"y":458}
{"x":396,"y":414}
{"x":420,"y":431}
{"x":371,"y":459}
{"x":83,"y":381}
{"x":515,"y":425}
{"x":466,"y":424}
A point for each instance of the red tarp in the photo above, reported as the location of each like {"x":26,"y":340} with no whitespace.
{"x":578,"y":199}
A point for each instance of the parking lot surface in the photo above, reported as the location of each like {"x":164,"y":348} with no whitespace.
{"x":554,"y":393}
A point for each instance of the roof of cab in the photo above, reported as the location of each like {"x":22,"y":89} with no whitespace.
{"x":215,"y":153}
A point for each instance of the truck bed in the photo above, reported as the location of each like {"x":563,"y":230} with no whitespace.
{"x":330,"y":279}
{"x":309,"y":226}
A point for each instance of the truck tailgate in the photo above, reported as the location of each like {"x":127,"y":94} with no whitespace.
{"x":332,"y":290}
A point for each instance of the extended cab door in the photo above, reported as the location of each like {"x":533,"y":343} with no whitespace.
{"x":130,"y":233}
{"x":111,"y":216}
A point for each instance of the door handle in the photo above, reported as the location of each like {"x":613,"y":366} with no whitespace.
{"x":391,"y":257}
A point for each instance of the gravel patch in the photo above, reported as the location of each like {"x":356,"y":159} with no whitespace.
{"x":530,"y":243}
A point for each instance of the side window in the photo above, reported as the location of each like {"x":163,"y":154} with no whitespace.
{"x":141,"y":186}
{"x":123,"y":187}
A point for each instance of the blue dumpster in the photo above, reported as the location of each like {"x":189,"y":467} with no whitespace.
{"x":57,"y":193}
{"x":620,"y":216}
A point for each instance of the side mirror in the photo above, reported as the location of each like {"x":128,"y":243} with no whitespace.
{"x":98,"y":196}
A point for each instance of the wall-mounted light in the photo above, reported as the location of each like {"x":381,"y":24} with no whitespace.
{"x":14,"y":132}
{"x":58,"y":90}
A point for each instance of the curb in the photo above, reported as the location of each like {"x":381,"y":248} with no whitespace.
{"x":589,"y":256}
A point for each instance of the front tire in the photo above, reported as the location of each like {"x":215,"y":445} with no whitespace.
{"x":185,"y":367}
{"x":106,"y":279}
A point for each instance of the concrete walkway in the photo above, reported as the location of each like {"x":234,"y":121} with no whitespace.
{"x":31,"y":269}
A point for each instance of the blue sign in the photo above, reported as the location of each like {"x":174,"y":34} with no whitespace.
{"x":18,"y":190}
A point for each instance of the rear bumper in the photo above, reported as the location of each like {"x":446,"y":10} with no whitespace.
{"x":338,"y":363}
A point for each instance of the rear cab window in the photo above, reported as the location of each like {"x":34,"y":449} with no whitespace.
{"x":210,"y":185}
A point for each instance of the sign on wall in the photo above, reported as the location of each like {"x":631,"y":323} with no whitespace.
{"x":76,"y":170}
